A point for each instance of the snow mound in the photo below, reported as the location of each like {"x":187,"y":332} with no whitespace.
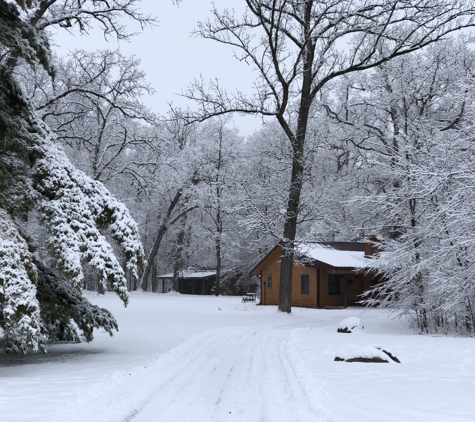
{"x":367,"y":354}
{"x":350,"y":324}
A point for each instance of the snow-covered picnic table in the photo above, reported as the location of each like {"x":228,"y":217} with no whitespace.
{"x":249,"y":297}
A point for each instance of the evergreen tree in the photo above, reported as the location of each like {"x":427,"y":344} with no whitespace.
{"x":79,"y":214}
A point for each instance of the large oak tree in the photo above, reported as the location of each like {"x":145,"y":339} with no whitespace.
{"x":297,"y":47}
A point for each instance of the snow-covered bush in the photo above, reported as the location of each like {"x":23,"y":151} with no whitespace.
{"x":349,"y":325}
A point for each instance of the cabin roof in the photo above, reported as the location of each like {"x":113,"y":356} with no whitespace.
{"x":342,"y":255}
{"x":327,"y":254}
{"x":190,"y":274}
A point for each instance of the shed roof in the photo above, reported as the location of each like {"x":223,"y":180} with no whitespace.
{"x":190,"y":274}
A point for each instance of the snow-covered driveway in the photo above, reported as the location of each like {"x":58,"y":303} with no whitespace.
{"x":236,"y":374}
{"x":184,"y":359}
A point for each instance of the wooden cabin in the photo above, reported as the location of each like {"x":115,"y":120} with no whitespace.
{"x":189,"y":282}
{"x":325,"y":275}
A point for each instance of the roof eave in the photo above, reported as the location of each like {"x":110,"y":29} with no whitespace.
{"x":263,"y":259}
{"x":325,"y":266}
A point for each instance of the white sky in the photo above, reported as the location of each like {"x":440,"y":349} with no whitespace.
{"x":171,"y":57}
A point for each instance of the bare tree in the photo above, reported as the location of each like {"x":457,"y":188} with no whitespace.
{"x":413,"y":118}
{"x":94,"y":107}
{"x":84,"y":14}
{"x":297,"y":48}
{"x":166,"y":221}
{"x":179,"y":170}
{"x":220,"y":144}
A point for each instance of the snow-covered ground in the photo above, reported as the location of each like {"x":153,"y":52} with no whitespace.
{"x":194,"y":358}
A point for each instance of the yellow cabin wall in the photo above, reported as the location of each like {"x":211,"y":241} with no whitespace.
{"x":271,"y":296}
{"x":272,"y":267}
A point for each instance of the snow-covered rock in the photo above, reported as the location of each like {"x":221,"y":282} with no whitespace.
{"x":367,"y":354}
{"x":350,"y":324}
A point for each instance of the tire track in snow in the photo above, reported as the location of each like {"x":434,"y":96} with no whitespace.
{"x":235,"y":375}
{"x":232,"y":374}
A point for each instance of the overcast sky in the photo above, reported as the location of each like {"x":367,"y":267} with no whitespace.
{"x":171,"y":57}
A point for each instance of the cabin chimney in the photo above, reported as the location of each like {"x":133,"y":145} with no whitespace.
{"x":370,"y":248}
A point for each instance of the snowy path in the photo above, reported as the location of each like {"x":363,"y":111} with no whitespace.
{"x":198,"y":358}
{"x":233,"y":374}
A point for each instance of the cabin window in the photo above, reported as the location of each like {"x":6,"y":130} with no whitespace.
{"x":333,"y":284}
{"x":269,"y":281}
{"x":304,"y":284}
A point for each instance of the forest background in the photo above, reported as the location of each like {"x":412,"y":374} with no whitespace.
{"x":387,"y":156}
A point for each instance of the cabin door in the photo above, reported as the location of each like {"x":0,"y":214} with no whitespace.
{"x":354,"y":288}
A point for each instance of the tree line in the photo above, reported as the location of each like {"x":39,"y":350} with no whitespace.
{"x":367,"y":136}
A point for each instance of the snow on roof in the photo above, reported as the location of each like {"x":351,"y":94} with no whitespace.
{"x":334,"y":257}
{"x":190,"y":274}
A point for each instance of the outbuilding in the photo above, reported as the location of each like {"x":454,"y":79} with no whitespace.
{"x":324,"y":275}
{"x":189,"y":282}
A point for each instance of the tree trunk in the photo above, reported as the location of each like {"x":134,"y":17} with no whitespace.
{"x":154,"y":279}
{"x":176,"y":281}
{"x":178,"y":257}
{"x":217,"y":291}
{"x":158,"y":239}
{"x":100,"y":286}
{"x":219,"y":215}
{"x":296,"y":182}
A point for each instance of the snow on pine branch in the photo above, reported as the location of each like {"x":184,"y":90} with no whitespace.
{"x":74,"y":211}
{"x":20,"y":310}
{"x":113,"y":215}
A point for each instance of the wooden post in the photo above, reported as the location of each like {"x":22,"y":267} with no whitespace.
{"x":345,"y":289}
{"x":318,"y":287}
{"x":262,"y":288}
